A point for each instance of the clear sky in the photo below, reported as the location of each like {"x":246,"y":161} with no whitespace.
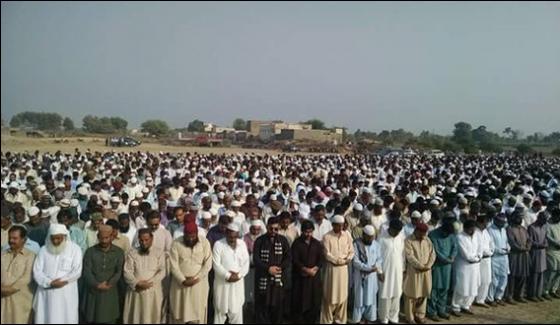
{"x":373,"y":66}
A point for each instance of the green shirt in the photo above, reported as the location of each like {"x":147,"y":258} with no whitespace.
{"x":99,"y":266}
{"x":445,"y":249}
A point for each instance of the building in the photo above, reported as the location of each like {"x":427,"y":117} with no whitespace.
{"x":310,"y":135}
{"x":254,"y":127}
{"x":271,"y":130}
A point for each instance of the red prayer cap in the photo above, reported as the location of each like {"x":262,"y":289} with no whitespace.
{"x":422,"y":227}
{"x":190,"y":228}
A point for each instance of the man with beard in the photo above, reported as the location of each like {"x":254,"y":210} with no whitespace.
{"x":552,"y":275}
{"x":445,"y":247}
{"x":338,"y":253}
{"x":518,"y":258}
{"x":230,"y":261}
{"x":190,"y":262}
{"x":103,"y":264}
{"x":144,"y":270}
{"x":64,"y":217}
{"x":467,"y":269}
{"x":539,"y":243}
{"x":36,"y":229}
{"x":391,"y":242}
{"x":17,"y":281}
{"x":500,"y":261}
{"x":56,"y":270}
{"x":367,"y":261}
{"x":126,"y":228}
{"x":271,"y":256}
{"x":119,"y":240}
{"x":420,"y":257}
{"x":307,"y":261}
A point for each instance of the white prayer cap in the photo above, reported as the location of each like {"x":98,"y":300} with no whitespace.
{"x":57,"y":229}
{"x":145,"y":190}
{"x":45,"y":213}
{"x":134,"y":203}
{"x":134,"y":180}
{"x":221,"y":195}
{"x":236,"y":204}
{"x":23,"y":187}
{"x":273,"y":197}
{"x":214,"y":212}
{"x":64,"y":203}
{"x":61,"y":185}
{"x":138,"y":195}
{"x":294,"y":199}
{"x":434,"y":202}
{"x":33,"y":211}
{"x":233,"y":226}
{"x":369,"y":230}
{"x":203,"y":195}
{"x":115,"y":199}
{"x":337,"y":192}
{"x":358,"y":207}
{"x":82,"y":190}
{"x":366,"y":190}
{"x":41,"y":188}
{"x":74,"y":203}
{"x":14,"y":185}
{"x":463,"y":200}
{"x":205,"y":215}
{"x":256,"y":223}
{"x":496,"y":201}
{"x":105,"y":197}
{"x":230,"y":214}
{"x":338,"y":219}
{"x":416,"y":215}
{"x":4,"y":187}
{"x":378,"y":202}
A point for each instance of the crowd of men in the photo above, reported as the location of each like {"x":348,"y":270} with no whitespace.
{"x":143,"y":237}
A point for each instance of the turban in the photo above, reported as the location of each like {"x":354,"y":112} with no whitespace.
{"x":422,"y":227}
{"x":190,"y":228}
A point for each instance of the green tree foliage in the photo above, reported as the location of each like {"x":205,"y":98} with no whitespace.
{"x":316,"y":124}
{"x":38,"y":120}
{"x":239,"y":124}
{"x":155,"y":127}
{"x":524,"y":149}
{"x":104,"y":124}
{"x":68,"y":124}
{"x":196,"y":126}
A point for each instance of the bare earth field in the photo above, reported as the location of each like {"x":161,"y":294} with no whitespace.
{"x":21,"y":144}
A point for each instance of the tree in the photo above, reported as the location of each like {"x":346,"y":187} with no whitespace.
{"x":524,"y":149}
{"x":155,"y":127}
{"x":462,"y":133}
{"x":239,"y":124}
{"x":118,"y":123}
{"x":196,"y":126}
{"x":316,"y":124}
{"x":94,"y":124}
{"x":38,"y":120}
{"x":68,"y":124}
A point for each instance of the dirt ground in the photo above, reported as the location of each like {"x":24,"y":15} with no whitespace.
{"x":22,"y":143}
{"x":547,"y":312}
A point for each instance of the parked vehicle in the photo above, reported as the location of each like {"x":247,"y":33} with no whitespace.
{"x":122,"y":142}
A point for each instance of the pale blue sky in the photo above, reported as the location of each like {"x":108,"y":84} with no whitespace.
{"x":373,"y":66}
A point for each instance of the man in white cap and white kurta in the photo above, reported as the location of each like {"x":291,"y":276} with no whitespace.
{"x":338,"y":253}
{"x":56,"y":270}
{"x":231,"y":264}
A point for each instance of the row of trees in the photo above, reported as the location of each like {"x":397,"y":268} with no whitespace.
{"x":42,"y":121}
